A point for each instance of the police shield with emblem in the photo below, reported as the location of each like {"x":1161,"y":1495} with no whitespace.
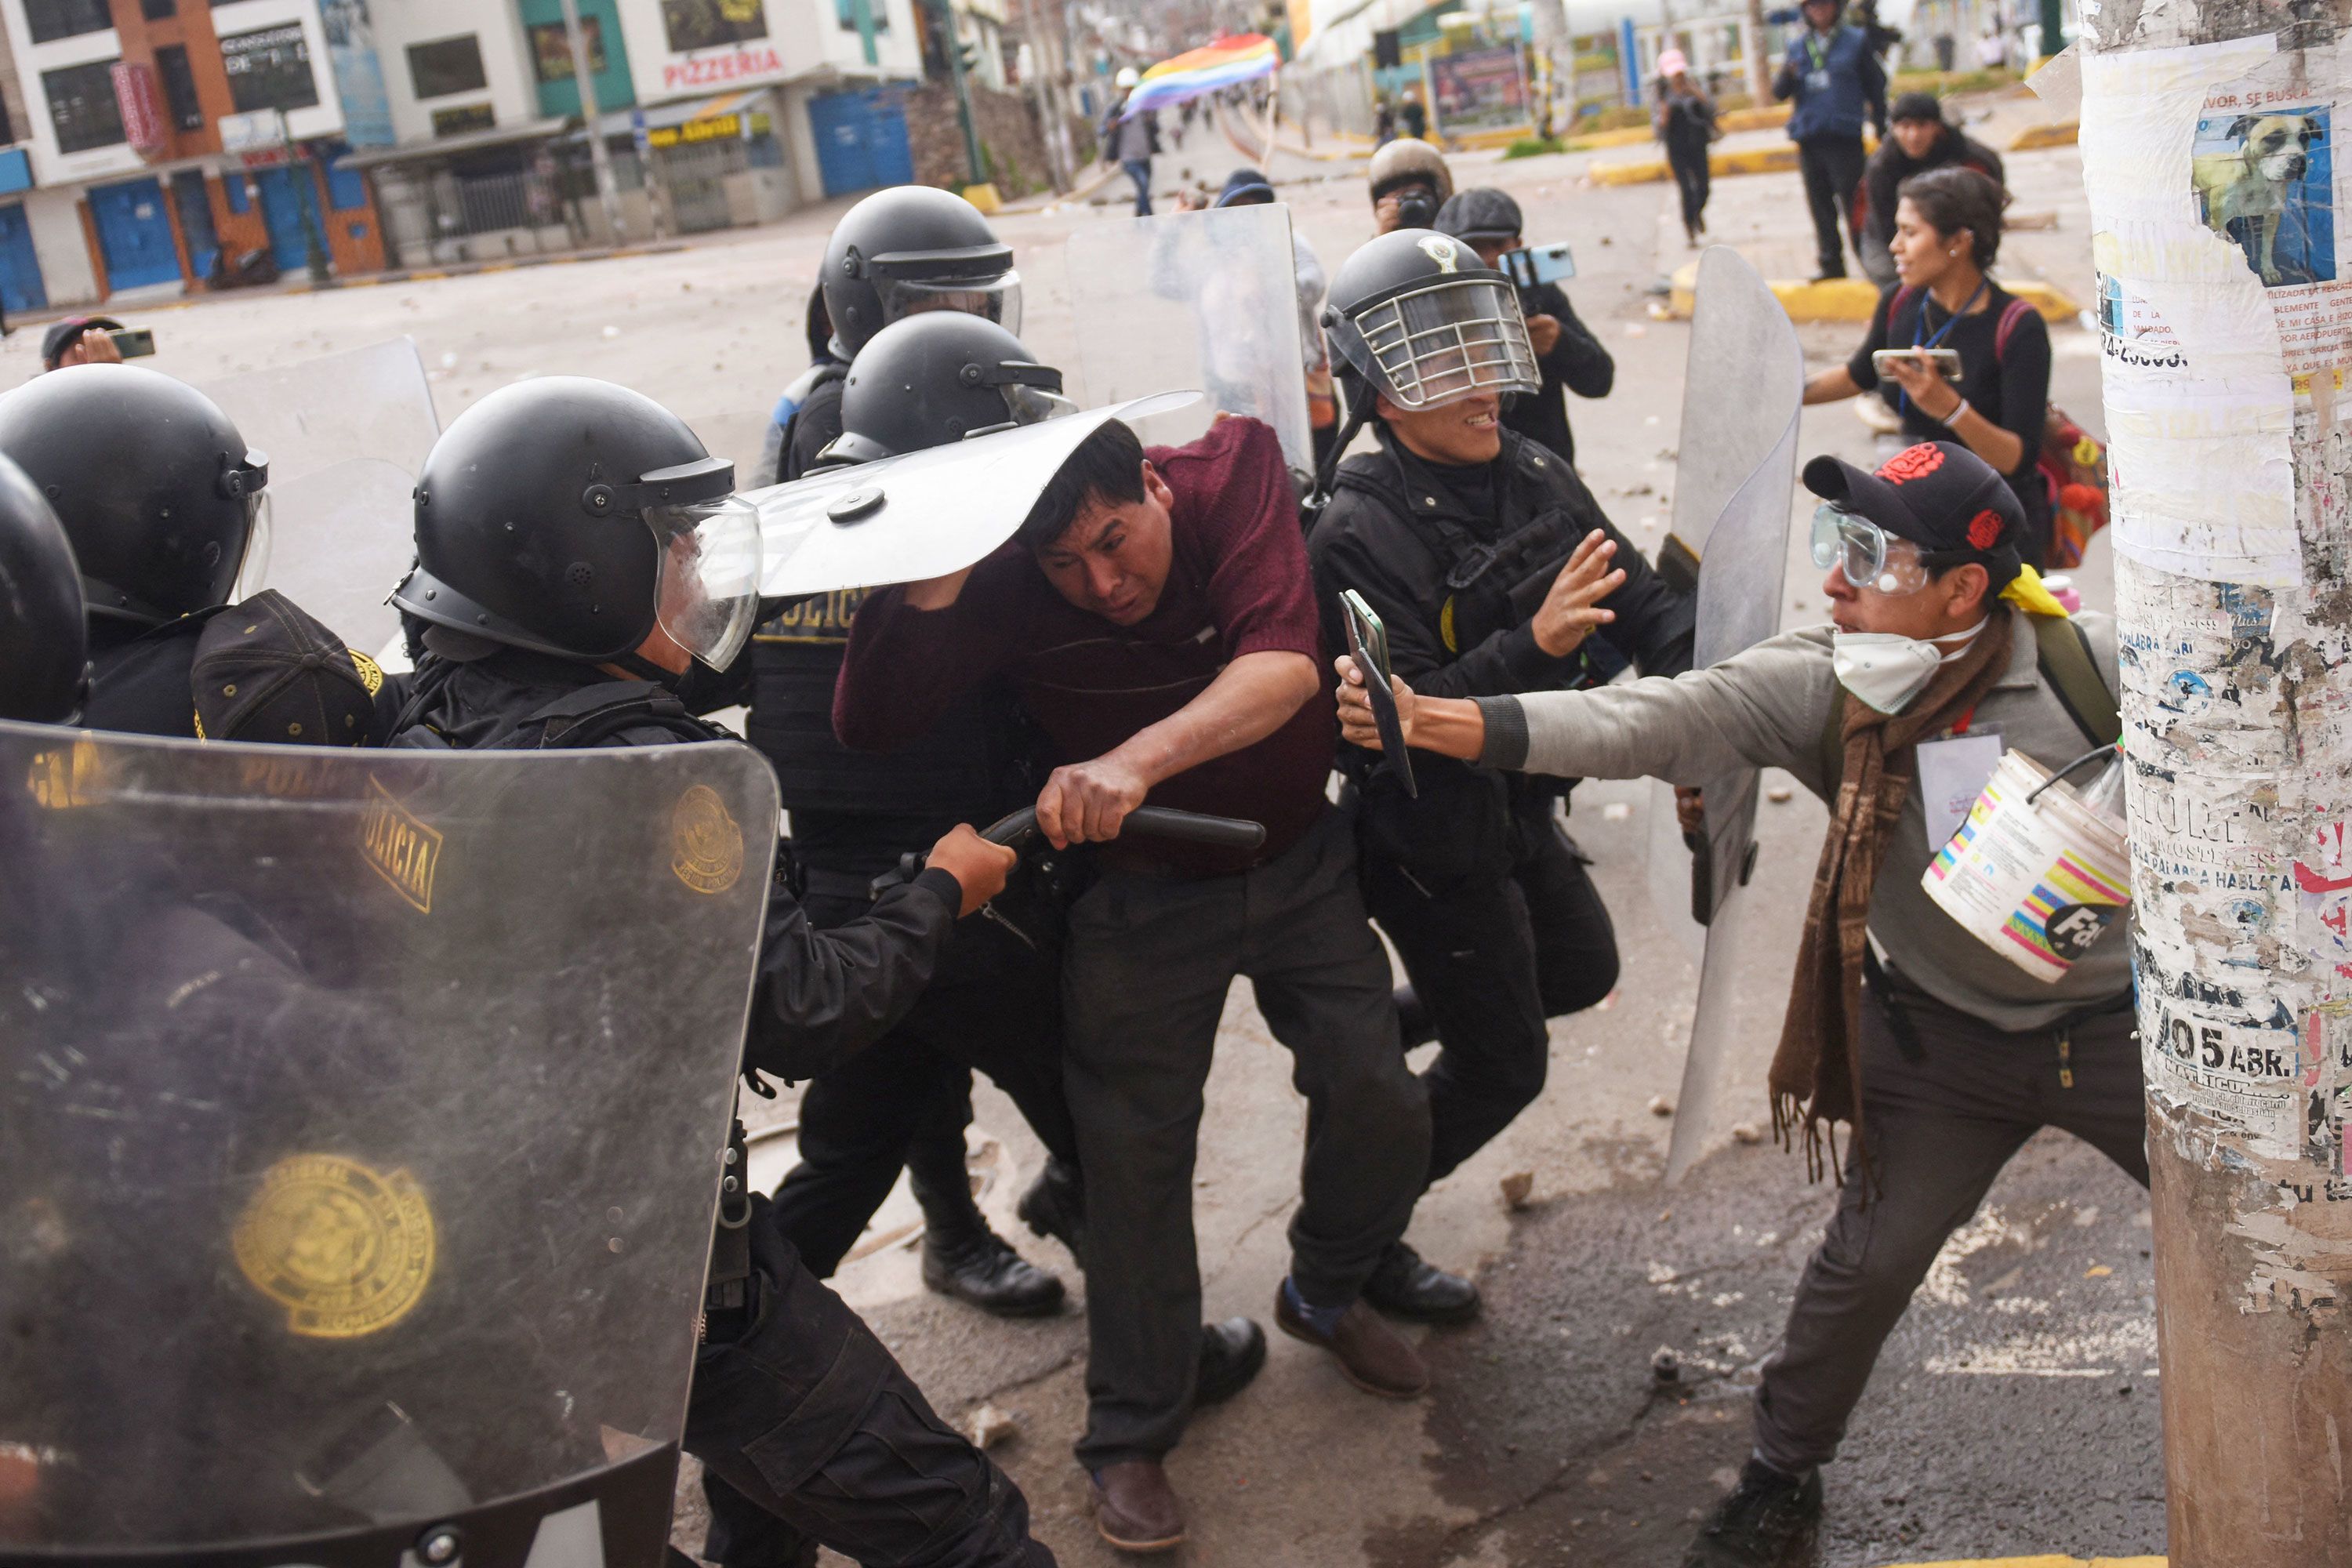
{"x":1208,"y":299}
{"x":346,"y":434}
{"x":1735,"y":470}
{"x":364,"y":1120}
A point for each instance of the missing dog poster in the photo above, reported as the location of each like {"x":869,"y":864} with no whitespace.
{"x":2264,"y":174}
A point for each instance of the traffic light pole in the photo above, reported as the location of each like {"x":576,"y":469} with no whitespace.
{"x":952,"y":46}
{"x":608,"y":192}
{"x":2230,"y":419}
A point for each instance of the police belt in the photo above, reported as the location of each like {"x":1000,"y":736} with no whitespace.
{"x":818,"y":883}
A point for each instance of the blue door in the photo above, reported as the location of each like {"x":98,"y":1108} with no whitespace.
{"x":285,"y":193}
{"x":134,"y":232}
{"x":20,"y":269}
{"x":861,"y":139}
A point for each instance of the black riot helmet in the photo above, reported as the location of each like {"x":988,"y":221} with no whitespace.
{"x":912,"y":249}
{"x":936,"y":378}
{"x":160,"y":499}
{"x":571,"y":516}
{"x":1418,"y":319}
{"x":43,"y":656}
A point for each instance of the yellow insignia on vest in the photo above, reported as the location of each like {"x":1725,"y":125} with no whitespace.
{"x":1445,"y":625}
{"x":706,"y":843}
{"x":345,"y":1249}
{"x":371,"y":672}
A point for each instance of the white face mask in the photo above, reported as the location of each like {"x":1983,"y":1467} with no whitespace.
{"x":1886,"y":672}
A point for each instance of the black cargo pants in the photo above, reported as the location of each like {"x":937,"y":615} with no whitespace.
{"x":1490,"y":958}
{"x":1832,"y":166}
{"x":1947,"y":1100}
{"x":808,"y":1417}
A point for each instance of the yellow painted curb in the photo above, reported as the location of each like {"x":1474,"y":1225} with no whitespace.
{"x":1603,"y":140}
{"x":2061,"y":134}
{"x":1744,"y":160}
{"x":2042,"y":1562}
{"x":1763,"y":118}
{"x":984,"y":197}
{"x":1853,"y":300}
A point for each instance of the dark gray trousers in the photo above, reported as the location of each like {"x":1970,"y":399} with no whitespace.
{"x":1942,"y":1113}
{"x":1144,"y":981}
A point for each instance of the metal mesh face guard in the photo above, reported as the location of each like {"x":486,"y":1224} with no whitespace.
{"x":1450,"y":341}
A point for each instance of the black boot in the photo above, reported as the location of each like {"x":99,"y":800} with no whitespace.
{"x":1231,"y":1354}
{"x":1765,"y":1522}
{"x":1055,"y":1205}
{"x":1404,"y":1285}
{"x":963,"y":1259}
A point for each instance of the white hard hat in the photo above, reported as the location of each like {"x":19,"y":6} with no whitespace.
{"x":1128,"y":77}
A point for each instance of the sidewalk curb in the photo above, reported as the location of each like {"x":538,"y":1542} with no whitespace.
{"x":2040,"y":1563}
{"x":1854,"y":300}
{"x":2063,"y":133}
{"x":1740,"y":161}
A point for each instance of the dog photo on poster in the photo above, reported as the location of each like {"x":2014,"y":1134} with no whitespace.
{"x":2264,"y":174}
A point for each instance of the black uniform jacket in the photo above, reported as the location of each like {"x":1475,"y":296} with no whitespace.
{"x":823,"y":995}
{"x":816,"y":423}
{"x":145,"y":685}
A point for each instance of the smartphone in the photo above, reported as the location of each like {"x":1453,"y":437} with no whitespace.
{"x":1947,"y":360}
{"x":1369,"y":638}
{"x":1367,"y":645}
{"x":1536,"y":265}
{"x":132,"y":342}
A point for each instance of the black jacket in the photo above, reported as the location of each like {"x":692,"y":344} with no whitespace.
{"x":1577,"y":362}
{"x":145,"y":684}
{"x":816,"y":423}
{"x":1456,"y":585}
{"x":823,"y":995}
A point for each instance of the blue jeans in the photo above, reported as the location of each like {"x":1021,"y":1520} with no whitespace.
{"x":1140,"y":171}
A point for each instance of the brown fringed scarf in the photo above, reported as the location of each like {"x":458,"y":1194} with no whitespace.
{"x":1816,"y":1078}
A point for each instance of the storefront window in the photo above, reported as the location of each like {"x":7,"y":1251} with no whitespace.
{"x":446,"y":65}
{"x":83,"y":106}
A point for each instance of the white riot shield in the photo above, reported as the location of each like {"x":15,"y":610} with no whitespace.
{"x":921,"y":514}
{"x":364,"y":1114}
{"x":1735,"y":467}
{"x":346,"y":436}
{"x":1208,"y":299}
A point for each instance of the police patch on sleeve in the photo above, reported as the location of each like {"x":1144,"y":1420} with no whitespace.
{"x":347,"y":1250}
{"x":706,"y":843}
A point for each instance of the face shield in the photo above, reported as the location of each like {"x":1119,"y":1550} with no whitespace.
{"x":1449,"y":340}
{"x":978,"y":282}
{"x":706,"y":594}
{"x":1867,"y":553}
{"x":248,"y":481}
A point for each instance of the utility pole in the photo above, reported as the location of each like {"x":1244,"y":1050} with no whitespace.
{"x":1551,"y":41}
{"x":951,"y":45}
{"x":2232,"y":468}
{"x":1755,"y":41}
{"x":607,"y":192}
{"x":2054,"y":27}
{"x":1050,"y":124}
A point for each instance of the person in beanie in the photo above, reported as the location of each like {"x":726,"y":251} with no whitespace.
{"x":1940,"y":1056}
{"x":1838,"y":85}
{"x":1918,"y":139}
{"x":1567,"y":352}
{"x":1685,"y":121}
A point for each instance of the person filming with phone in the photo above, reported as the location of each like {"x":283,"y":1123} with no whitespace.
{"x":1953,"y":354}
{"x":1566,"y":353}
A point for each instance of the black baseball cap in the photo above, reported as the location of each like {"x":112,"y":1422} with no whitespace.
{"x":62,"y":334}
{"x":1482,"y":212}
{"x":267,"y":670}
{"x":1244,"y":186}
{"x":1939,"y":495}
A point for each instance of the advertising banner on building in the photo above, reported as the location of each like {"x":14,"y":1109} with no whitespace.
{"x":359,"y":73}
{"x":1478,"y":89}
{"x":141,"y":105}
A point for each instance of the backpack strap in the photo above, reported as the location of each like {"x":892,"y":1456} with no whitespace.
{"x":2062,"y":652}
{"x":1906,"y":295}
{"x":594,"y":714}
{"x":2010,"y":315}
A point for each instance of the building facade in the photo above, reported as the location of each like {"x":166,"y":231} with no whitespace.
{"x":171,"y":143}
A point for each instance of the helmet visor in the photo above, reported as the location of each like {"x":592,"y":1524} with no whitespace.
{"x":1450,"y":341}
{"x":709,"y":590}
{"x":252,"y":569}
{"x":996,"y":298}
{"x":1036,"y":405}
{"x":1867,"y":555}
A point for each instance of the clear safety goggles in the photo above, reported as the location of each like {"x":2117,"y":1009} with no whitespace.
{"x":1450,"y":341}
{"x":1867,"y":555}
{"x":993,"y":299}
{"x":708,"y":593}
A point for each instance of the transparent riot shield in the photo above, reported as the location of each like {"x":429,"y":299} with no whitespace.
{"x":363,"y":1118}
{"x":346,"y":436}
{"x":922,"y":514}
{"x":1735,"y":467}
{"x":1208,"y":299}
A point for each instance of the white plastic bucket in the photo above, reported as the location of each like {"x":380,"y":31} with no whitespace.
{"x":2039,"y":882}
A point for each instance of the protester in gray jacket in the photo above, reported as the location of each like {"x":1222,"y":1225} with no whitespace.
{"x":1941,"y":1056}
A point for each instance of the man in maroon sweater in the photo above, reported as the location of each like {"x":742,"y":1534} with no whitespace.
{"x":1158,"y":620}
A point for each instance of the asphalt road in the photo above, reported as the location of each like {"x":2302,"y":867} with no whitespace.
{"x":2015,"y":1411}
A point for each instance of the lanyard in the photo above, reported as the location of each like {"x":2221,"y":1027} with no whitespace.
{"x":1919,"y":326}
{"x":1813,"y":49}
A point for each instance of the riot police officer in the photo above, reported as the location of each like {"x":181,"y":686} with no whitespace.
{"x":163,"y":504}
{"x":44,"y":653}
{"x":899,"y":252}
{"x":921,"y":382}
{"x":577,"y":548}
{"x":1457,"y":532}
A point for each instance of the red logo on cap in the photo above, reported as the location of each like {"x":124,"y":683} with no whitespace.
{"x":1984,"y":528}
{"x":1913,"y":463}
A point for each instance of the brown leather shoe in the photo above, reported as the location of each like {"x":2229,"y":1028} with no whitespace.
{"x":1135,"y":1508}
{"x":1374,"y":1357}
